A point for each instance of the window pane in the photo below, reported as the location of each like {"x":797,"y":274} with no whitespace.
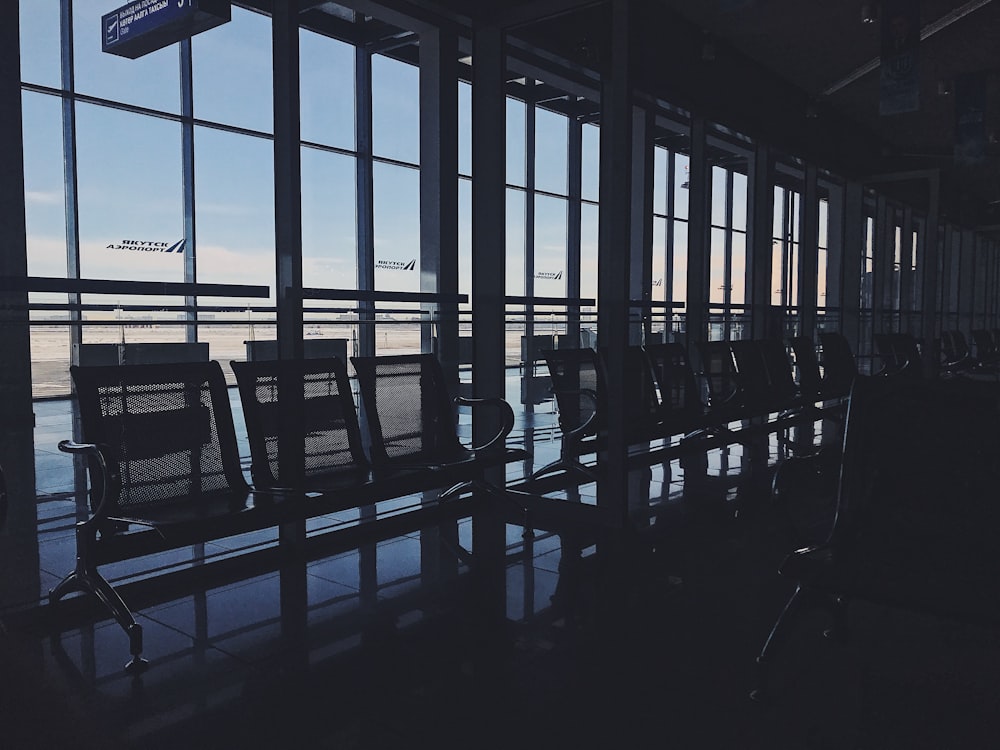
{"x":127,"y":224}
{"x":515,"y":142}
{"x":329,"y":234}
{"x":660,"y":161}
{"x":465,"y":238}
{"x":591,"y":162}
{"x":680,"y":261}
{"x":739,"y":269}
{"x":326,"y":86}
{"x":824,"y":214}
{"x":681,"y":183}
{"x":515,"y":242}
{"x":717,"y":267}
{"x":739,"y":201}
{"x":464,"y":128}
{"x":397,"y":228}
{"x":44,"y":210}
{"x":659,"y":291}
{"x":550,"y":246}
{"x":718,"y":197}
{"x":588,"y":250}
{"x":234,"y":204}
{"x":152,"y":80}
{"x":395,"y":109}
{"x":40,"y":61}
{"x":551,"y":144}
{"x":233,"y":72}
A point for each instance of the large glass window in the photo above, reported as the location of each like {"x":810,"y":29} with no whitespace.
{"x":234,"y":203}
{"x":397,"y":228}
{"x":40,"y":61}
{"x":515,"y":240}
{"x":152,"y":80}
{"x":233,"y":76}
{"x":591,"y":177}
{"x":326,"y":90}
{"x":131,"y":209}
{"x":329,"y":221}
{"x":550,"y":246}
{"x":551,"y":151}
{"x":395,"y":109}
{"x":45,"y":208}
{"x":515,"y":142}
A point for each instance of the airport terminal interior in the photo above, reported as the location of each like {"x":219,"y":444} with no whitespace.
{"x":450,"y":373}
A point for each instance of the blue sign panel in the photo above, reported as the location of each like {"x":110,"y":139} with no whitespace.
{"x":143,"y":26}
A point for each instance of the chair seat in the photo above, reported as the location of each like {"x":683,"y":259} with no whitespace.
{"x":949,"y":583}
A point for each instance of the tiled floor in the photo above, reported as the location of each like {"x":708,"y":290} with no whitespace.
{"x":643,"y":638}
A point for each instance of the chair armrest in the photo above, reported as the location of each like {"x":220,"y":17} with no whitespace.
{"x":108,"y":473}
{"x":583,"y":428}
{"x":506,"y":412}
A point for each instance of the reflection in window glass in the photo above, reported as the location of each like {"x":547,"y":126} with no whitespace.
{"x":395,"y":109}
{"x":233,"y":72}
{"x":551,"y":150}
{"x":234,"y":203}
{"x":550,"y":246}
{"x":464,"y":128}
{"x":588,"y":250}
{"x":44,"y":209}
{"x":129,"y":195}
{"x":152,"y":80}
{"x":515,"y":234}
{"x":397,"y":228}
{"x":682,"y":179}
{"x":515,"y":142}
{"x":718,"y":196}
{"x":591,"y":162}
{"x":739,"y":201}
{"x":40,"y":61}
{"x":329,"y":236}
{"x":326,"y":90}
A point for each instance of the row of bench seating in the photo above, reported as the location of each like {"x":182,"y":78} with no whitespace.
{"x":740,"y":380}
{"x":165,"y":468}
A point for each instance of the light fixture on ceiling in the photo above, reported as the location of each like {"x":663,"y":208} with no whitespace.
{"x":869,"y":13}
{"x":944,"y":87}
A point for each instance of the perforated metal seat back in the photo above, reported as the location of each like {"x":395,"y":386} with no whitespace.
{"x":328,"y":430}
{"x":807,"y":364}
{"x":407,"y":409}
{"x":573,"y":371}
{"x":168,"y":429}
{"x":674,"y":376}
{"x":642,"y":405}
{"x":779,"y":369}
{"x":717,"y":364}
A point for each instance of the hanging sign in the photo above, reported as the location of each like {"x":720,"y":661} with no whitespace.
{"x":899,"y":81}
{"x":970,"y":119}
{"x":143,"y":26}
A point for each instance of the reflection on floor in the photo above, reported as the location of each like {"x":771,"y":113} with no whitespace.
{"x":570,"y":638}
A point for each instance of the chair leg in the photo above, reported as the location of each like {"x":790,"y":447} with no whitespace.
{"x":774,"y":640}
{"x":85,"y":578}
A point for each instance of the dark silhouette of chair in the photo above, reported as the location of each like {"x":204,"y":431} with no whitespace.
{"x":955,"y":353}
{"x":987,"y":353}
{"x":682,"y":411}
{"x":839,"y":365}
{"x":917,"y":517}
{"x":900,"y":355}
{"x":411,"y":423}
{"x":722,"y":386}
{"x":328,"y":431}
{"x":578,"y":386}
{"x":162,"y":455}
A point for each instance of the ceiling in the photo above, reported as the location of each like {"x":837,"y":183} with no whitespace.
{"x":797,"y":74}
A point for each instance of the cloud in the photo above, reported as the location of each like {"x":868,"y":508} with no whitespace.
{"x":46,"y":197}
